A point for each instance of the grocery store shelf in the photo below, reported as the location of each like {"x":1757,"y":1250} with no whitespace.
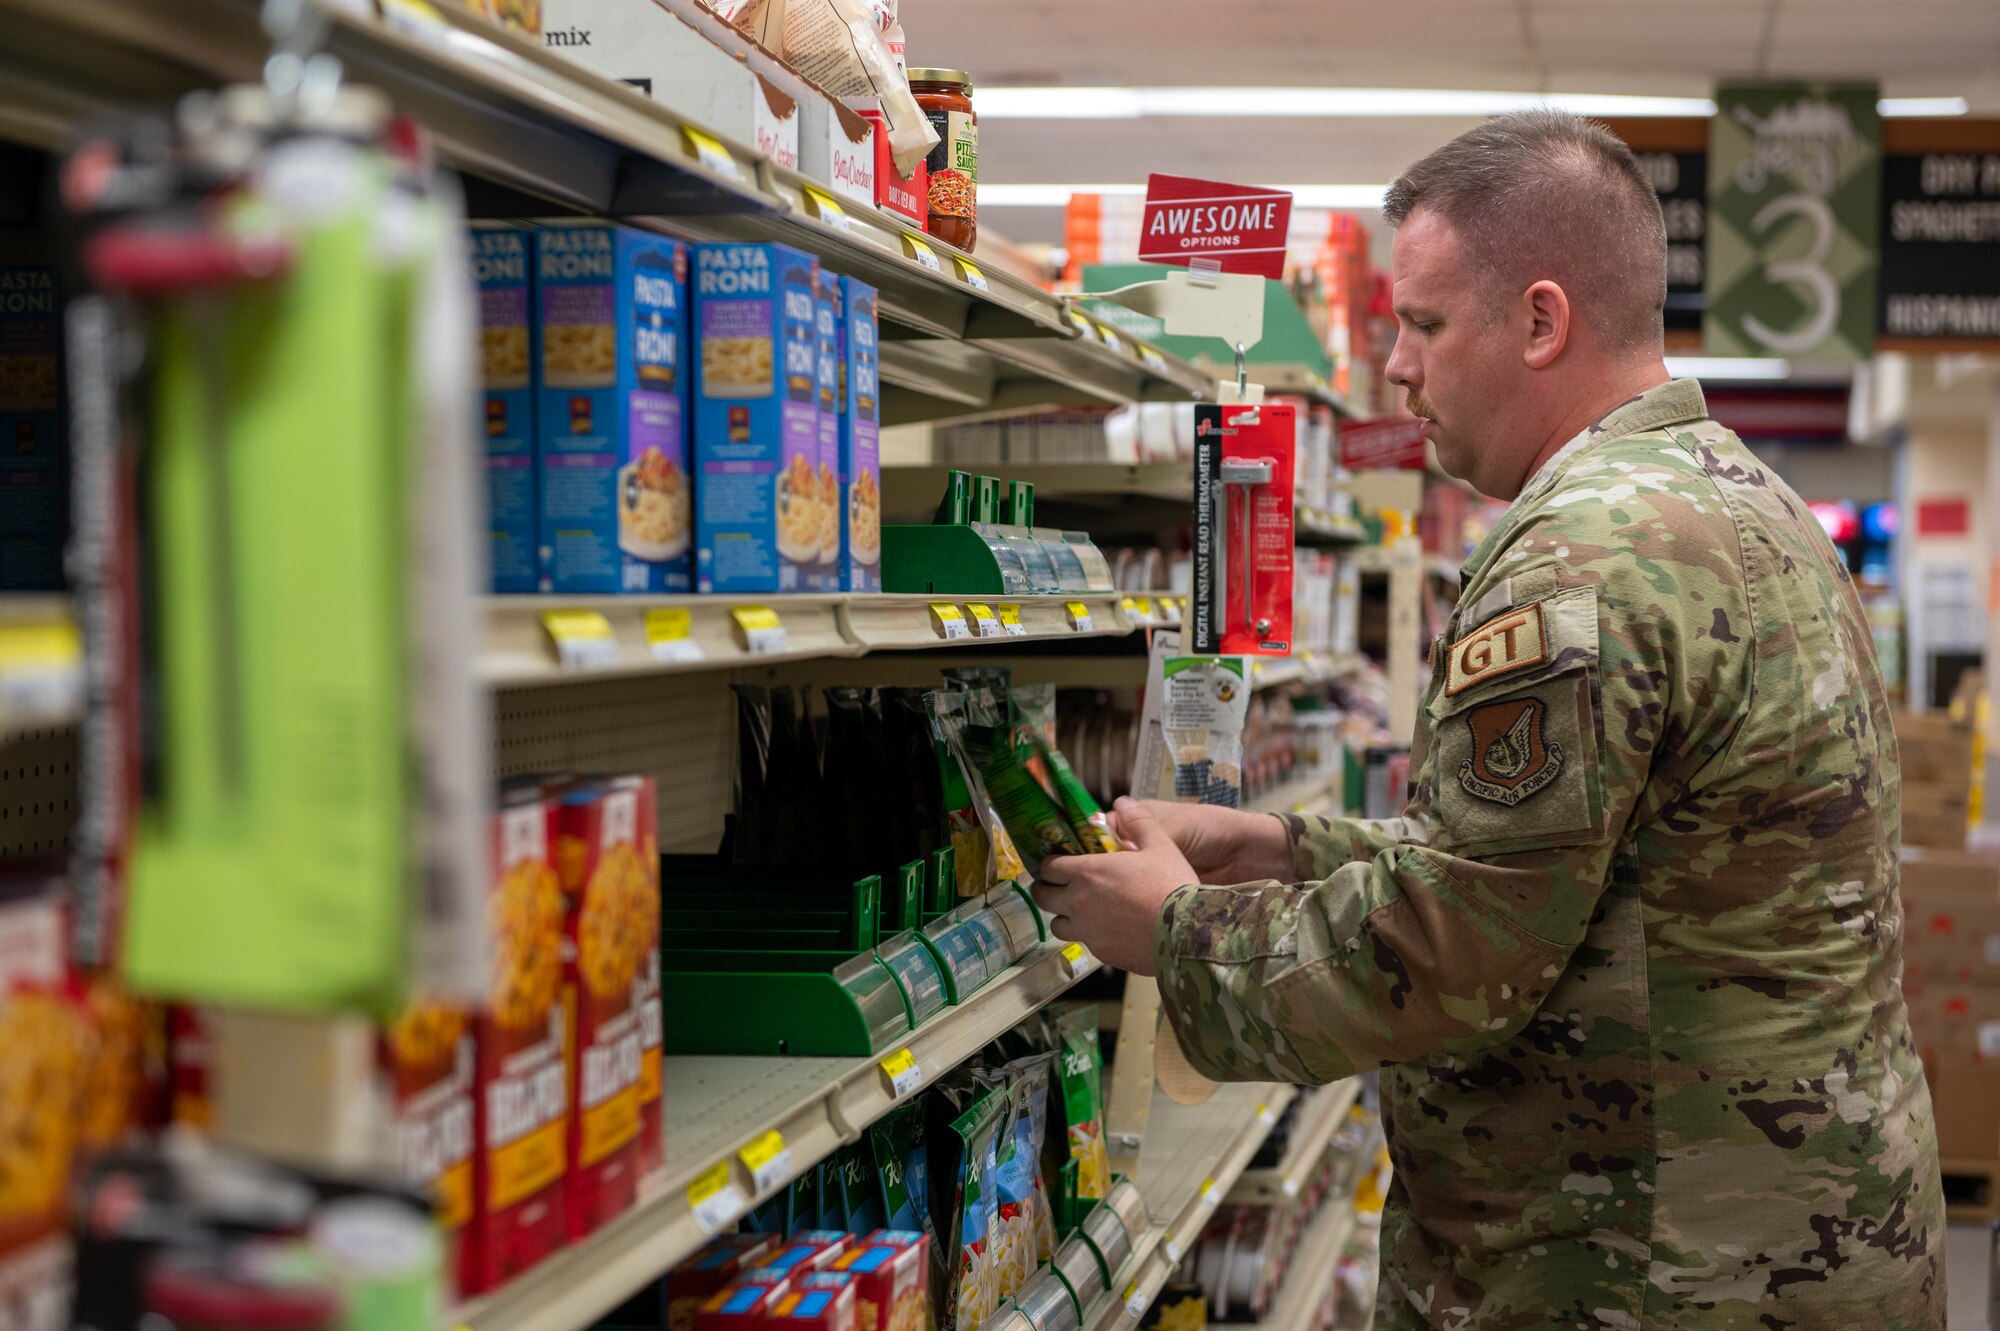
{"x":646,"y":635}
{"x":717,"y":1106}
{"x":1304,"y":795}
{"x":557,"y":134}
{"x":1313,"y":526}
{"x":1305,"y":668}
{"x":41,"y":664}
{"x":1191,"y":1156}
{"x":1321,"y":1114}
{"x":915,"y":489}
{"x":1296,"y":380}
{"x":1311,"y":1269}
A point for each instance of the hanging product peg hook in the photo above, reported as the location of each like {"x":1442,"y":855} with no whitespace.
{"x":1242,"y":370}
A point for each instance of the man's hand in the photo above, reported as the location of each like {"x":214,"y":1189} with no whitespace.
{"x":1224,"y":846}
{"x":1109,"y":903}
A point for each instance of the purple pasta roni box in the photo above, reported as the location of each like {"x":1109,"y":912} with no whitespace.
{"x":759,"y":510}
{"x":500,"y":271}
{"x":826,"y":578}
{"x":616,"y":494}
{"x":860,"y":440}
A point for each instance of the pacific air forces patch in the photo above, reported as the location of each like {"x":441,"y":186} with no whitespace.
{"x":1512,"y":760}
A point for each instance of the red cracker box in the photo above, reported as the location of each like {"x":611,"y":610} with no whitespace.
{"x":521,"y":1102}
{"x":808,"y":1250}
{"x":701,"y":1276}
{"x":606,"y":853}
{"x":743,"y":1304}
{"x":430,"y":1056}
{"x":818,"y":1301}
{"x":891,"y":1280}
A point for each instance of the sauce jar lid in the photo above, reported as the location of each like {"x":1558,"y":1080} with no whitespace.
{"x":957,"y":76}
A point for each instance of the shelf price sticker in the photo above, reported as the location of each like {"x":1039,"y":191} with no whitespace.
{"x":1109,"y":338}
{"x":1142,"y":610}
{"x":969,"y":270}
{"x":823,"y":207}
{"x":1290,"y":1187}
{"x":1210,"y":1194}
{"x":925,"y":256}
{"x":670,"y":635}
{"x":1173,"y":1246}
{"x":714,"y":1198}
{"x":1073,"y":960}
{"x":983,"y":620}
{"x":1152,"y":359}
{"x":1081,"y":324}
{"x":905,"y":1075}
{"x":948,"y":622}
{"x":1135,"y":1301}
{"x":768,"y":1159}
{"x":708,"y":150}
{"x":763,"y":631}
{"x":1079,"y":616}
{"x":1265,"y":1118}
{"x":583,"y":639}
{"x":1010,"y":621}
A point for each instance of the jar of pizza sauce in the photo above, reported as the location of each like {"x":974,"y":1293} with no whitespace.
{"x":946,"y":97}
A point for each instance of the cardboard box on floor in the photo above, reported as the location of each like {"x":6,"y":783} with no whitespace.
{"x":1951,"y":917}
{"x":1951,"y":961}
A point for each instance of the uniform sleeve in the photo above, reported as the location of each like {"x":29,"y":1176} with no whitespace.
{"x":1543,"y":720}
{"x":1322,"y":845}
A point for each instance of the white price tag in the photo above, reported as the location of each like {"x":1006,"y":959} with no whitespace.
{"x":1265,"y":1118}
{"x":925,"y":256}
{"x":973,"y":277}
{"x":1210,"y":1194}
{"x":948,"y":622}
{"x":715,"y":1199}
{"x":1152,"y":359}
{"x":763,"y":631}
{"x":1173,"y":1247}
{"x":709,"y":151}
{"x":1290,"y":1187}
{"x":669,"y":633}
{"x":583,"y":639}
{"x":1073,"y":958}
{"x":826,"y":210}
{"x":1135,"y":1301}
{"x":904,"y":1073}
{"x":983,"y":620}
{"x":769,"y":1161}
{"x":1010,"y":621}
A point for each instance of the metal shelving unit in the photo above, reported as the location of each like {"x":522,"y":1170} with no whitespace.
{"x":717,"y":1106}
{"x":1319,"y":1118}
{"x":1311,"y":1269}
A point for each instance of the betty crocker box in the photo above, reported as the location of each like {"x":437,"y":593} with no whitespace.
{"x":616,"y":506}
{"x":604,"y":841}
{"x":521,"y":1103}
{"x":756,"y":418}
{"x":860,"y":440}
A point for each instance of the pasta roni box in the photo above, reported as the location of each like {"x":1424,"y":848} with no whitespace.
{"x":616,"y":503}
{"x":521,"y":1098}
{"x":826,"y":377}
{"x":860,"y":440}
{"x":34,"y":455}
{"x":499,"y":258}
{"x":756,"y":419}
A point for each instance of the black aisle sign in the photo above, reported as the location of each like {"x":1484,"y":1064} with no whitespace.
{"x":1681,"y":181}
{"x":1940,"y":238}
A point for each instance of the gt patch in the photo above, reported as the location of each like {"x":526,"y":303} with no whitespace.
{"x":1511,"y":759}
{"x":1506,"y":643}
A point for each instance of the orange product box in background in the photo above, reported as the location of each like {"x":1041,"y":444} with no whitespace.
{"x":429,"y":1055}
{"x":604,"y":833}
{"x":521,"y":1096}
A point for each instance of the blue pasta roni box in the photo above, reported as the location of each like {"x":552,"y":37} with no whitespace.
{"x":756,"y":419}
{"x":826,"y":577}
{"x":34,"y":455}
{"x":499,"y":258}
{"x":860,"y":440}
{"x":616,"y":497}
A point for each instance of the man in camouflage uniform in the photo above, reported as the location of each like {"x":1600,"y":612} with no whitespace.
{"x":1630,"y":961}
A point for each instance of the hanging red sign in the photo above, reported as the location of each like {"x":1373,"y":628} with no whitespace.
{"x":1394,"y":443}
{"x":1241,"y":227}
{"x":1944,"y":517}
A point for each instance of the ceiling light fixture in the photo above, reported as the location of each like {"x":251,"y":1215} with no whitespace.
{"x":1727,"y":367}
{"x":1103,"y":103}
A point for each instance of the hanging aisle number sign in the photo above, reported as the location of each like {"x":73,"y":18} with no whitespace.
{"x":1794,"y":190}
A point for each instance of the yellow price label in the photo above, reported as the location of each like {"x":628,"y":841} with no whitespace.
{"x":1079,"y":616}
{"x":708,"y":150}
{"x":768,"y":1159}
{"x":714,"y":1197}
{"x":1109,"y":338}
{"x":667,"y":625}
{"x":903,"y":1072}
{"x":982,"y":619}
{"x":1151,"y":359}
{"x":1073,"y":959}
{"x":969,"y":270}
{"x":709,"y":1182}
{"x":924,"y":255}
{"x":823,"y":207}
{"x":948,"y":622}
{"x":1010,"y":622}
{"x":56,"y":643}
{"x":583,"y":638}
{"x":763,"y":632}
{"x":1081,"y":324}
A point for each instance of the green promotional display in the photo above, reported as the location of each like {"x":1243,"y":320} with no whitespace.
{"x":1794,"y":188}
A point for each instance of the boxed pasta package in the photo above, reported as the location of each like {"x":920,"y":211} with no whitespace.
{"x":604,"y":839}
{"x":616,"y":504}
{"x":34,"y":465}
{"x":521,"y":1093}
{"x":756,"y":419}
{"x":860,"y":439}
{"x":500,"y":270}
{"x":826,"y":576}
{"x":892,"y":1280}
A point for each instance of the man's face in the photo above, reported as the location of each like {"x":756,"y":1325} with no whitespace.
{"x":1456,"y":353}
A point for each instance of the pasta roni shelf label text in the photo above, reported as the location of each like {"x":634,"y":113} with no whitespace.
{"x":903,"y":1072}
{"x":583,"y":639}
{"x":768,"y":1159}
{"x":714,"y":1198}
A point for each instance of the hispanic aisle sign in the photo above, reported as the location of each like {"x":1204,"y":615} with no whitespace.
{"x":1794,"y":188}
{"x":1242,"y":227}
{"x":1940,"y":233}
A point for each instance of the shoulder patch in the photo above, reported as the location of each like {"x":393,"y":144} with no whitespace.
{"x":1512,"y":759}
{"x":1508,"y":642}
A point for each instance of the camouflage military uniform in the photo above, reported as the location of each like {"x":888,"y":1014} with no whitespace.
{"x":1631,"y":959}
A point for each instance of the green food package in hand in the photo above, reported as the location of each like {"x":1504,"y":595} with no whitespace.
{"x":1082,"y":1073}
{"x":1037,"y":825}
{"x":1086,"y":816}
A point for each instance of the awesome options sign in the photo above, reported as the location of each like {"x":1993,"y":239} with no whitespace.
{"x":1241,"y":227}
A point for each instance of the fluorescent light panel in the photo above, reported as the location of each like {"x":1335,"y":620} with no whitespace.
{"x":1727,"y":367}
{"x":1101,"y":103}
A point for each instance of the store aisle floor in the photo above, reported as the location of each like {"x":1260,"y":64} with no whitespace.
{"x":1968,"y":1267}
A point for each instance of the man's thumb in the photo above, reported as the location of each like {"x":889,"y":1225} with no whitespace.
{"x":1137,"y":825}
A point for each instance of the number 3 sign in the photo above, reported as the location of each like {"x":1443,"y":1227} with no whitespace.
{"x":1794,"y":190}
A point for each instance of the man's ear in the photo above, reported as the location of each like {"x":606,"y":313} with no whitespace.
{"x":1548,"y":324}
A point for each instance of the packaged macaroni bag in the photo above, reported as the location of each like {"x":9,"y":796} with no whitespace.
{"x":1029,"y":1078}
{"x":984,"y":852}
{"x":899,"y":1143}
{"x":967,"y":1288}
{"x":1035,"y":823}
{"x":1082,"y":1072}
{"x":859,"y":1197}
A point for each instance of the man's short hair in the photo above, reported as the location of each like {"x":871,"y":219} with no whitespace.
{"x":1545,"y":194}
